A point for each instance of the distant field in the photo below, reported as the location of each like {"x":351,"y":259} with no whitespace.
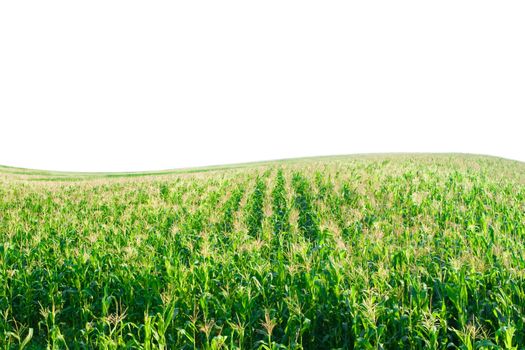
{"x":408,"y":251}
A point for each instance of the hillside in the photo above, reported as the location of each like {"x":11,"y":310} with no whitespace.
{"x":367,"y":251}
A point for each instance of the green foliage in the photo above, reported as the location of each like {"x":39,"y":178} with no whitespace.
{"x":371,"y":252}
{"x":280,"y":205}
{"x":303,"y":201}
{"x":254,"y":209}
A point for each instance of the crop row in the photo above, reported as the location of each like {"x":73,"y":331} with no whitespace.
{"x":394,"y":253}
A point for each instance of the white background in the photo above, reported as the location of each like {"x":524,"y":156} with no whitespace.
{"x":143,"y":85}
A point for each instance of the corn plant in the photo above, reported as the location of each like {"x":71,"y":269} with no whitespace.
{"x":360,"y":252}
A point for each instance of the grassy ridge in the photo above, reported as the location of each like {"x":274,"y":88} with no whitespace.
{"x":365,"y":252}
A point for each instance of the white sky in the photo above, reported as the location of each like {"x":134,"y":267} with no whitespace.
{"x":144,"y":85}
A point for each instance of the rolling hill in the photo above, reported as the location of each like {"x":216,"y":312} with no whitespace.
{"x":347,"y":252}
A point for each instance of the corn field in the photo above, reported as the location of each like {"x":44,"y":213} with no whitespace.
{"x":357,"y":252}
